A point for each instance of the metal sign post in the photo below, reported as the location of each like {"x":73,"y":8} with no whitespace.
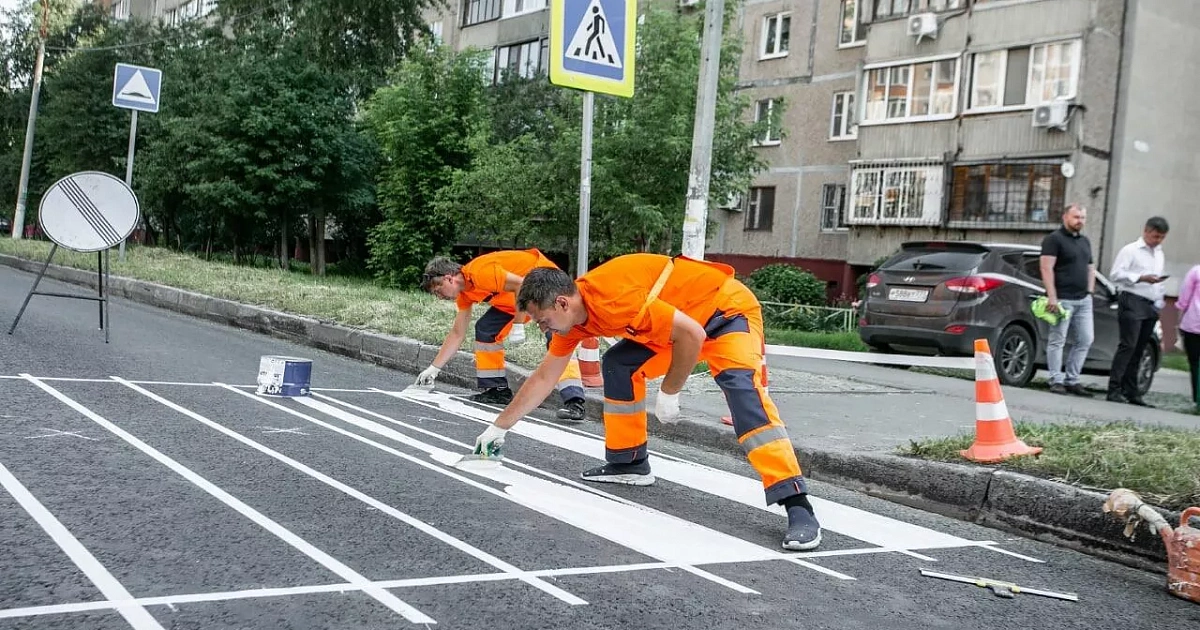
{"x":136,"y":88}
{"x":85,"y":212}
{"x":592,"y":49}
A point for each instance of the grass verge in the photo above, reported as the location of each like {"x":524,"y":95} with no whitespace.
{"x":354,"y":302}
{"x":1162,"y":464}
{"x":1175,"y":361}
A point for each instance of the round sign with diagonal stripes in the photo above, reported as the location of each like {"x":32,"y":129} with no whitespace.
{"x":88,"y":211}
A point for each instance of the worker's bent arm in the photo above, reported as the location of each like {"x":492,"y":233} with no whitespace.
{"x":512,"y":282}
{"x":453,"y":340}
{"x":1047,"y":265}
{"x":535,"y":390}
{"x":686,"y":338}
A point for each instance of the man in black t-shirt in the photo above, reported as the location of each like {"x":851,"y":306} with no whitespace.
{"x":1069,"y":275}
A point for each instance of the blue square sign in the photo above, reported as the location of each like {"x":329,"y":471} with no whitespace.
{"x":136,"y":87}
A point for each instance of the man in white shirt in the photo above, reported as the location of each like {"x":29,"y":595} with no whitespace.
{"x":1138,"y":272}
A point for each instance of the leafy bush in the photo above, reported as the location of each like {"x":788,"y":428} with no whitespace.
{"x":787,"y":284}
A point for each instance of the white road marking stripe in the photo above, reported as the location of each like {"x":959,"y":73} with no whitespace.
{"x":369,"y":500}
{"x":135,"y":614}
{"x":957,"y":363}
{"x":660,"y":536}
{"x":284,"y":534}
{"x":223,"y":596}
{"x":992,"y":546}
{"x":848,"y":521}
{"x":573,"y":483}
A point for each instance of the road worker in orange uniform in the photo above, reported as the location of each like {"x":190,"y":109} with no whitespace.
{"x":493,"y":279}
{"x":671,"y":313}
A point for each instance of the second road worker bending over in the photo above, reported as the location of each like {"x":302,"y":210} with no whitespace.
{"x":492,"y":279}
{"x":656,"y":304}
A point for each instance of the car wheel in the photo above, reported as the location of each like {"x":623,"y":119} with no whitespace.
{"x":1145,"y":370}
{"x":1014,"y":356}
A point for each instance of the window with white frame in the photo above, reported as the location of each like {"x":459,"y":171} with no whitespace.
{"x":833,"y":207}
{"x":435,"y":31}
{"x":525,"y":60}
{"x":1024,"y":77}
{"x":120,"y":9}
{"x":760,"y":209}
{"x":775,"y":35}
{"x":768,"y":111}
{"x":896,"y":194}
{"x":899,"y":8}
{"x":843,"y":123}
{"x":208,"y":6}
{"x":853,"y":31}
{"x":911,"y":91}
{"x":519,"y":7}
{"x":480,"y":11}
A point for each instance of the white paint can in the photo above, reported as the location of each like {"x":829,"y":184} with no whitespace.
{"x":284,"y":376}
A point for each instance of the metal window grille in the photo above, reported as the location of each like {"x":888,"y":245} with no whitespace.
{"x":1014,"y":194}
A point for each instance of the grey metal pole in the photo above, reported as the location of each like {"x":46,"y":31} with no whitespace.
{"x":129,"y":164}
{"x":585,"y":183}
{"x":695,"y":219}
{"x":18,"y":226}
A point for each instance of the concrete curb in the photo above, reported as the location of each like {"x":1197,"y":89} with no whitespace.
{"x":1037,"y":508}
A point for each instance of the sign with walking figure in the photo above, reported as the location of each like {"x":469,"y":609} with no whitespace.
{"x":592,"y":45}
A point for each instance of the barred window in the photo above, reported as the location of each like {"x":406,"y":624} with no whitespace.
{"x":896,"y":194}
{"x":1008,"y":193}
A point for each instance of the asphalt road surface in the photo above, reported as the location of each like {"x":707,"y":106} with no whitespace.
{"x":146,"y":485}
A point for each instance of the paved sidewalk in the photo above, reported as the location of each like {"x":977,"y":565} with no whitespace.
{"x":837,"y":405}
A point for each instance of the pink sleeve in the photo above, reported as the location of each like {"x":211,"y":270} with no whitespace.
{"x":1188,"y":289}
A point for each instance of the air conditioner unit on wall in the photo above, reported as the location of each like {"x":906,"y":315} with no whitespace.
{"x":923,"y":25}
{"x":733,"y":203}
{"x":1052,"y":115}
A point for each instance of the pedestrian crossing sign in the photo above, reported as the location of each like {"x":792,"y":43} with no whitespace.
{"x":592,"y":45}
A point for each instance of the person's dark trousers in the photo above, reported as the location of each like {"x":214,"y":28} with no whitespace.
{"x":1191,"y":345}
{"x":1136,"y":317}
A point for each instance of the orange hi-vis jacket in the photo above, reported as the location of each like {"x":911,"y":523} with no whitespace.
{"x":485,"y":276}
{"x":617,"y":296}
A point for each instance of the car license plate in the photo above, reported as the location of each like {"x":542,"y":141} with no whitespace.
{"x":908,"y":295}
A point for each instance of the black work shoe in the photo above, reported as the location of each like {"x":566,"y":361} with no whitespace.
{"x":1137,"y":400}
{"x":804,"y":532}
{"x":1078,"y":390}
{"x":1116,"y":397}
{"x":572,"y":410}
{"x":1058,"y":388}
{"x":628,"y":474}
{"x":493,"y":396}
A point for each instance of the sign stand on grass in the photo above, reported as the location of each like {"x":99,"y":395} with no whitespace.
{"x":136,"y":88}
{"x":85,"y":212}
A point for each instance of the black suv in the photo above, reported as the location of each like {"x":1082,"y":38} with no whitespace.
{"x":942,"y":296}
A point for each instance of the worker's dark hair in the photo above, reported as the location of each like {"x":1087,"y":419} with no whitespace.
{"x":437,"y":269}
{"x":542,"y":286}
{"x":1158,"y":224}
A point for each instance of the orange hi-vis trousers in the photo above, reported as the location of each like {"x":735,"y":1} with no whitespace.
{"x":734,"y":351}
{"x":490,"y":332}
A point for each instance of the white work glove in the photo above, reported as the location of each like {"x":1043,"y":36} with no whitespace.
{"x":489,"y":442}
{"x":666,"y":407}
{"x":426,"y":378}
{"x":517,"y":335}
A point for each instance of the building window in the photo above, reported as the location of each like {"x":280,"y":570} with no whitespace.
{"x":1024,"y":77}
{"x":120,"y":9}
{"x":833,"y":207}
{"x":913,"y":91}
{"x":768,"y":110}
{"x":207,"y":6}
{"x":479,"y":11}
{"x":900,"y":8}
{"x":518,"y":7}
{"x":843,"y":124}
{"x":435,"y":31}
{"x":525,"y":60}
{"x":775,"y":35}
{"x":853,"y":31}
{"x":760,"y":209}
{"x":1012,"y":193}
{"x":896,"y":194}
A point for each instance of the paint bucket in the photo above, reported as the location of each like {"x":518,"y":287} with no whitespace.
{"x":284,"y":376}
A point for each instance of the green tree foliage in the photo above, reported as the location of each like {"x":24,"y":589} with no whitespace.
{"x":425,"y":123}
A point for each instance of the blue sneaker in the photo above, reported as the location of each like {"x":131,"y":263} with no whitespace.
{"x":804,"y":532}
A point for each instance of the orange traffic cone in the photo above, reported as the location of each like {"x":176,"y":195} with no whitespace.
{"x":995,"y":440}
{"x":589,"y":363}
